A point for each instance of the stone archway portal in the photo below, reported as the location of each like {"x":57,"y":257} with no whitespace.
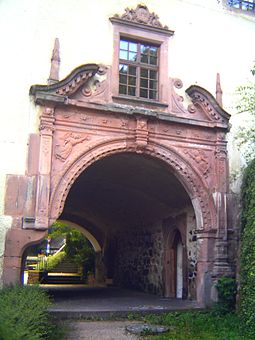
{"x":82,"y":124}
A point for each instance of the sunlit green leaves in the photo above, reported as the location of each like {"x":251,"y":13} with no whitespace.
{"x":247,"y":272}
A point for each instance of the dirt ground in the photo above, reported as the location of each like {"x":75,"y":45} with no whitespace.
{"x":100,"y":330}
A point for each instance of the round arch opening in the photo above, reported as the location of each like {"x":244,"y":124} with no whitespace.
{"x":67,"y":255}
{"x":130,"y":202}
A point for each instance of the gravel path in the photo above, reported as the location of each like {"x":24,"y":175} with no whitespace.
{"x":100,"y":330}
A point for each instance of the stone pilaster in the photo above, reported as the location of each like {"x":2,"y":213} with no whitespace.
{"x":43,"y":180}
{"x":221,"y":264}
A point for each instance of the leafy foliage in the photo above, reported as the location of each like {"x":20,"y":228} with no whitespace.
{"x":58,"y":228}
{"x":227,"y":289}
{"x":246,"y":133}
{"x":247,"y":275}
{"x":52,"y":261}
{"x":24,"y":314}
{"x":77,"y":248}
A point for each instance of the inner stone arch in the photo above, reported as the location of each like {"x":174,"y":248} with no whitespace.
{"x":95,"y":244}
{"x":124,"y":199}
{"x":190,"y":180}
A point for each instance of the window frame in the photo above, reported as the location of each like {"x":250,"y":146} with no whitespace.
{"x":139,"y":65}
{"x":154,"y":36}
{"x":240,"y":6}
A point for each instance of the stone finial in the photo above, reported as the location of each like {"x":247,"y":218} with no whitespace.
{"x":218,"y":90}
{"x":55,"y":63}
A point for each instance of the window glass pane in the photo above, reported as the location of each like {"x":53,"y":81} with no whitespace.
{"x":153,"y":51}
{"x":234,"y":3}
{"x":132,"y":70}
{"x":123,"y":68}
{"x":131,"y":91}
{"x":153,"y":60}
{"x":145,"y":49}
{"x":133,"y":47}
{"x":132,"y":81}
{"x":153,"y":74}
{"x":123,"y":79}
{"x":144,"y":58}
{"x":123,"y":89}
{"x":153,"y":84}
{"x":144,"y":73}
{"x":123,"y":45}
{"x":244,"y":5}
{"x":123,"y":54}
{"x":144,"y":93}
{"x":144,"y":83}
{"x":153,"y":94}
{"x":132,"y":56}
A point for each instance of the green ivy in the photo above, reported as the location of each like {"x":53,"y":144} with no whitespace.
{"x":227,"y":290}
{"x":247,"y":272}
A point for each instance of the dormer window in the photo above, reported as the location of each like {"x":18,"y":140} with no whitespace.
{"x":138,"y":69}
{"x":140,"y":59}
{"x":243,"y":5}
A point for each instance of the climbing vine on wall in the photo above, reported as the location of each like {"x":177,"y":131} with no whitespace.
{"x":247,"y":274}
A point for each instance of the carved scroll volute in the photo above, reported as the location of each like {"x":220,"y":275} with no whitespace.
{"x":43,"y":182}
{"x":141,"y":132}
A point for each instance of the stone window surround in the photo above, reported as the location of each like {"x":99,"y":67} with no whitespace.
{"x":152,"y":35}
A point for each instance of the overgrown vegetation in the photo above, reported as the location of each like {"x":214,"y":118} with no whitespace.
{"x":199,"y":326}
{"x":79,"y":249}
{"x":52,"y":261}
{"x":227,"y":289}
{"x":24,"y":314}
{"x":247,"y":275}
{"x":221,"y":322}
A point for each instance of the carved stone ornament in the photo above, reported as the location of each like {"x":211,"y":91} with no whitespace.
{"x":141,"y":15}
{"x":141,"y":132}
{"x":177,"y":100}
{"x":63,"y":151}
{"x":203,"y":100}
{"x":97,"y":84}
{"x":47,"y":120}
{"x":66,"y":87}
{"x":201,"y":159}
{"x":194,"y":183}
{"x":221,"y":152}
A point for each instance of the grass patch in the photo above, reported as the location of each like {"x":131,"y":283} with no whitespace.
{"x":199,"y":326}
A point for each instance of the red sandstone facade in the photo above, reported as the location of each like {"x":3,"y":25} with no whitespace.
{"x":84,"y":120}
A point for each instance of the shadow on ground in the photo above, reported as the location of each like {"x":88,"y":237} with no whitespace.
{"x":79,"y":301}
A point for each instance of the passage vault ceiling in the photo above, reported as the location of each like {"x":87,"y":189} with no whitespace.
{"x":125,"y":191}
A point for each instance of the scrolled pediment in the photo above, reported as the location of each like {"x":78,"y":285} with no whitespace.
{"x":77,"y":79}
{"x":205,"y":102}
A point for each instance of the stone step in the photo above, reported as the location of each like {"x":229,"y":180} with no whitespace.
{"x":62,"y":278}
{"x":66,"y":266}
